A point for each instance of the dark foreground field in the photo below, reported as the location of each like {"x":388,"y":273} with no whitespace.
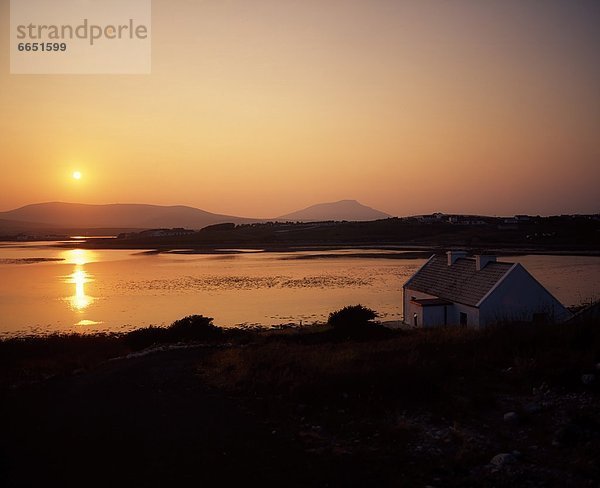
{"x":517,"y":405}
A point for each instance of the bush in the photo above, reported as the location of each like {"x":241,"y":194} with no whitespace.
{"x":194,"y":327}
{"x":353,"y":319}
{"x":191,"y":328}
{"x":142,"y":338}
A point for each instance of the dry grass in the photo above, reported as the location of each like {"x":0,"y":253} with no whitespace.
{"x":423,"y":406}
{"x":453,"y":365}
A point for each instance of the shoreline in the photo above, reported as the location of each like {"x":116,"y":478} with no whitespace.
{"x":396,"y":250}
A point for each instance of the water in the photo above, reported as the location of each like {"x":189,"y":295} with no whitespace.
{"x":114,"y":290}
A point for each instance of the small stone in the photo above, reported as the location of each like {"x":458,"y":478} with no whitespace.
{"x":588,"y":379}
{"x":569,"y":435}
{"x":503,"y":459}
{"x":532,"y":408}
{"x":511,"y":417}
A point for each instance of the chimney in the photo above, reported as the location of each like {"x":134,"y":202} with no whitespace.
{"x":454,"y":255}
{"x":481,"y":261}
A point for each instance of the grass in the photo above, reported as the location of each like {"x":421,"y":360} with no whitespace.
{"x":31,"y":358}
{"x":423,"y":406}
{"x":326,"y":360}
{"x":442,"y":365}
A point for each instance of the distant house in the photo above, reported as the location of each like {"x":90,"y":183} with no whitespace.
{"x":458,"y":290}
{"x":433,"y":218}
{"x":174,"y":232}
{"x":462,"y":220}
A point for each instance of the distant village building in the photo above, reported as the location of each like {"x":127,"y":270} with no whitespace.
{"x":175,"y":232}
{"x":431,"y":219}
{"x":463,"y":220}
{"x":478,"y":291}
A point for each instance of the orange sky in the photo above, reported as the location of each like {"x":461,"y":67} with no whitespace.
{"x":261,"y":107}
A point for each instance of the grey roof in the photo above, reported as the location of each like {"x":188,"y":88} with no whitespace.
{"x":431,"y":302}
{"x":460,"y":283}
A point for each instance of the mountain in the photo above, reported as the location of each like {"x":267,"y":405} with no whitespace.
{"x":49,"y":217}
{"x":72,"y":215}
{"x":342,"y":210}
{"x":13,"y":227}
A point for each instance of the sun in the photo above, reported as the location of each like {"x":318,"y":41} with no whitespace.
{"x":77,"y":175}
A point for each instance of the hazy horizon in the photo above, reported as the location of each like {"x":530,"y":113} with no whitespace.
{"x":262,"y":108}
{"x":278,"y":215}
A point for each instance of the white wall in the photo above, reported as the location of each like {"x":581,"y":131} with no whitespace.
{"x":434,"y":316}
{"x":433,"y":313}
{"x":518,"y":297}
{"x":472,"y":315}
{"x":409,"y":309}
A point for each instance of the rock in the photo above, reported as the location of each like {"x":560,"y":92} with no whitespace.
{"x":597,"y":366}
{"x":588,"y":379}
{"x":532,"y":408}
{"x":503,"y":459}
{"x":568,"y":435}
{"x":511,"y":417}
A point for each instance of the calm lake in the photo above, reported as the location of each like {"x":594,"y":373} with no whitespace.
{"x":46,"y":289}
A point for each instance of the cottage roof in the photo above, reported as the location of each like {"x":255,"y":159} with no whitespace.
{"x":461,"y":282}
{"x":431,"y":302}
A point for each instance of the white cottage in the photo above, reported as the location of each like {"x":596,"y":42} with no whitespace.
{"x":477,"y":291}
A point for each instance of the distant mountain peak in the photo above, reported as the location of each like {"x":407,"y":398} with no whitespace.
{"x":340,"y":210}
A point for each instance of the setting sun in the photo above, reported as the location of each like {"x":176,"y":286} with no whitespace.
{"x":77,"y":175}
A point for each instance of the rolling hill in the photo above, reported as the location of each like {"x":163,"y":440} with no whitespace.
{"x":59,"y":216}
{"x":70,"y":215}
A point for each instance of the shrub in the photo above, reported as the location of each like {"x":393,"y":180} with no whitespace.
{"x":191,"y":328}
{"x":141,"y":338}
{"x":194,"y":327}
{"x":352,"y":319}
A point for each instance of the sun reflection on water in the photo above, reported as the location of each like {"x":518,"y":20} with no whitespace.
{"x":79,"y":257}
{"x":79,"y":277}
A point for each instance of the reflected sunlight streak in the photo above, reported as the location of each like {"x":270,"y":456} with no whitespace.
{"x":78,"y":257}
{"x":80,"y":301}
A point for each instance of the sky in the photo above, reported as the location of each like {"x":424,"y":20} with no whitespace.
{"x":261,"y":107}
